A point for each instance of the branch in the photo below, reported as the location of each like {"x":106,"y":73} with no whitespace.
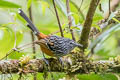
{"x":72,"y":65}
{"x":88,"y":22}
{"x":69,"y":19}
{"x":78,"y":8}
{"x":33,"y":37}
{"x":60,"y":27}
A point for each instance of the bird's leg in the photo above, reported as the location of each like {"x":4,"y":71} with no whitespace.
{"x":61,"y":62}
{"x":46,"y":61}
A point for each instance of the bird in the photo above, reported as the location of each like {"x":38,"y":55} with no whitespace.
{"x":51,"y":45}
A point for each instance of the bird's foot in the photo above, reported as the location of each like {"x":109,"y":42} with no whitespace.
{"x":49,"y":69}
{"x":61,"y":62}
{"x":46,"y":61}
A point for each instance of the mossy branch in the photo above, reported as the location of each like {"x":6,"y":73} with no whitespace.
{"x":72,"y":65}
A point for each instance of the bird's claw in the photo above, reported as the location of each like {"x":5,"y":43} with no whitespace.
{"x":61,"y":62}
{"x":46,"y":61}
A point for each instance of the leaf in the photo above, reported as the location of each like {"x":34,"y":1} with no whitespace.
{"x":74,"y":27}
{"x":97,"y":17}
{"x":97,"y":77}
{"x":6,"y":40}
{"x":111,"y":16}
{"x":116,"y":20}
{"x":97,"y":27}
{"x":19,"y":37}
{"x":104,"y":36}
{"x":16,"y":55}
{"x":44,"y":6}
{"x":29,"y":4}
{"x":7,"y":4}
{"x":62,"y":6}
{"x":21,"y":19}
{"x":76,"y":18}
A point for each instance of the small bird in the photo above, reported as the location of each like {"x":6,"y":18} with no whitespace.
{"x":53,"y":45}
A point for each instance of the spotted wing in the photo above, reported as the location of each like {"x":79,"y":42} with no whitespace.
{"x":60,"y":46}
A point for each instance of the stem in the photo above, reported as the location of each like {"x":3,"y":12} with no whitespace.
{"x":69,"y":19}
{"x":87,"y":25}
{"x":79,"y":9}
{"x":33,"y":38}
{"x":32,"y":35}
{"x":109,"y":8}
{"x":60,"y":27}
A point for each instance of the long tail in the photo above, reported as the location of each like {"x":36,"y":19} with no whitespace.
{"x":30,"y":24}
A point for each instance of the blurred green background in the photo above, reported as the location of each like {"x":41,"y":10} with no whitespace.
{"x":14,"y":33}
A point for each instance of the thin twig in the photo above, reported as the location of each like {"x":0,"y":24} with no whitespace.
{"x":80,"y":5}
{"x":109,"y":8}
{"x":16,"y":49}
{"x":69,"y":19}
{"x":9,"y":52}
{"x":59,"y":31}
{"x":79,"y":9}
{"x":32,"y":35}
{"x":25,"y":48}
{"x":19,"y":49}
{"x":60,"y":27}
{"x":33,"y":39}
{"x":26,"y":45}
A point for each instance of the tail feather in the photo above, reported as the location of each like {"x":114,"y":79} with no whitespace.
{"x":79,"y":45}
{"x":30,"y":24}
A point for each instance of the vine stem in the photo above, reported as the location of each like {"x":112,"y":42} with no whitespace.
{"x":60,"y":27}
{"x":69,"y":19}
{"x":33,"y":39}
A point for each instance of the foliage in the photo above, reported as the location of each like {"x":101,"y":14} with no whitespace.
{"x":14,"y":33}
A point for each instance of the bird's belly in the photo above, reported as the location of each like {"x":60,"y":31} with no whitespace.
{"x":47,"y":51}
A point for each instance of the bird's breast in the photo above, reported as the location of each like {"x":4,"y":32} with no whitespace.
{"x":46,"y":50}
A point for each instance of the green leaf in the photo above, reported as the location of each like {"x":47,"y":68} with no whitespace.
{"x":62,"y":6}
{"x":6,"y":40}
{"x":73,"y":27}
{"x":116,"y":20}
{"x":29,"y":4}
{"x":97,"y":77}
{"x":21,"y":19}
{"x":97,"y":27}
{"x":19,"y":37}
{"x":7,"y":4}
{"x":104,"y":36}
{"x":44,"y":6}
{"x":16,"y":55}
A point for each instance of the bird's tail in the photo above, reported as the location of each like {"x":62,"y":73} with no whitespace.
{"x":79,"y":45}
{"x":30,"y":24}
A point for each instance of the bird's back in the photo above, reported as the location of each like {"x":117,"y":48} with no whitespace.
{"x":58,"y":46}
